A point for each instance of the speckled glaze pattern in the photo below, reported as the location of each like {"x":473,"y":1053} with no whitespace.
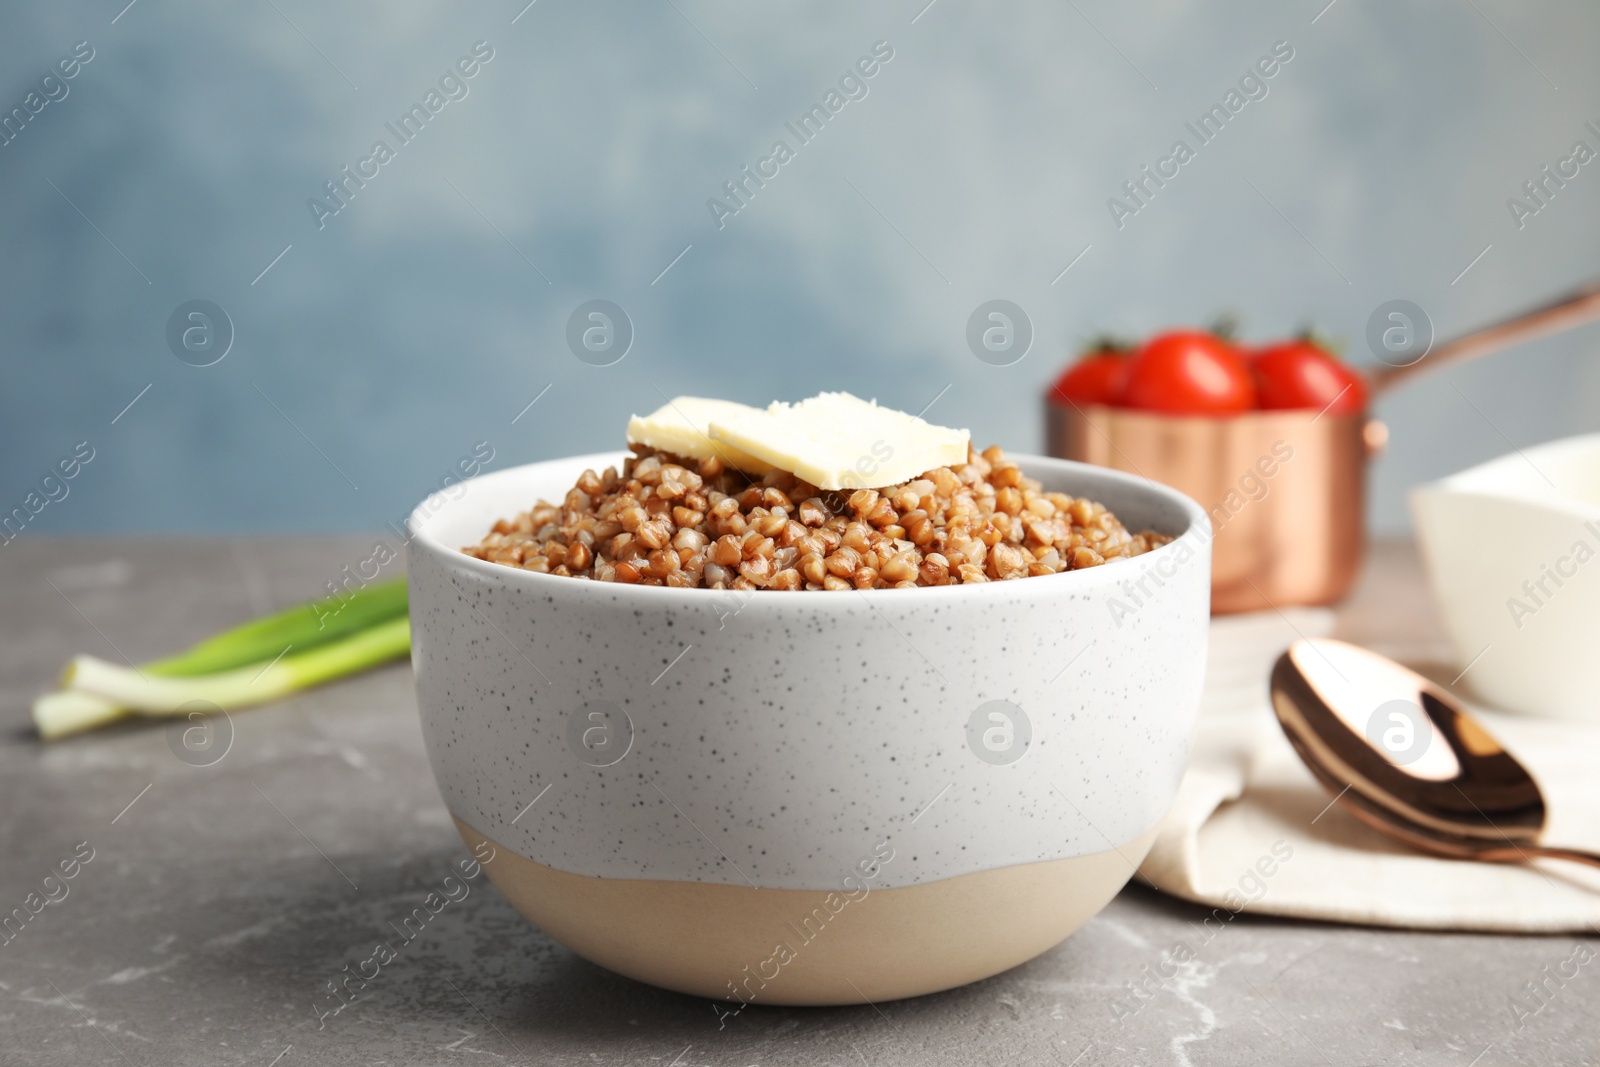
{"x":778,"y":738}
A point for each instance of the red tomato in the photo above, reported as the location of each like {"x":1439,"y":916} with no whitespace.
{"x":1303,"y":374}
{"x":1189,"y":372}
{"x":1096,"y":378}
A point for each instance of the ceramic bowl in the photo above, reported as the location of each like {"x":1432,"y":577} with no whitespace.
{"x":811,"y":797}
{"x":1513,"y":552}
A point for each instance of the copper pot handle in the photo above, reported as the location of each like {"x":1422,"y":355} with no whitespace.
{"x":1574,"y":309}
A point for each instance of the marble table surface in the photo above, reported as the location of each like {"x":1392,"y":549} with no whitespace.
{"x":220,"y":900}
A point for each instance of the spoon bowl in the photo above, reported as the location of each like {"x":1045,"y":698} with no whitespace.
{"x":1404,"y":757}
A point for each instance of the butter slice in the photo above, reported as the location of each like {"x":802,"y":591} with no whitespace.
{"x":839,"y":441}
{"x":680,"y":426}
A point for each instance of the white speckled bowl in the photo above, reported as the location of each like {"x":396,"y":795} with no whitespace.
{"x":808,"y":798}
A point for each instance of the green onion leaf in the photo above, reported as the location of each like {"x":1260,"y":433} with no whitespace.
{"x":299,"y":629}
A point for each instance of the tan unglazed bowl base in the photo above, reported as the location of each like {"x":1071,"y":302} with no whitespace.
{"x":787,"y":946}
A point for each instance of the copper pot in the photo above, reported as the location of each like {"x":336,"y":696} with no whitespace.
{"x":1286,"y":490}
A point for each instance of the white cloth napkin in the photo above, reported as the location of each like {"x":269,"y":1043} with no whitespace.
{"x":1252,"y":830}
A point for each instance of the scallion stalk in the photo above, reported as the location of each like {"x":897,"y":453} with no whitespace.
{"x":68,"y":711}
{"x":241,"y":687}
{"x":289,"y":633}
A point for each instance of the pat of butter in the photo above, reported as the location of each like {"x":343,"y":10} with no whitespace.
{"x":838,"y":441}
{"x":680,"y":426}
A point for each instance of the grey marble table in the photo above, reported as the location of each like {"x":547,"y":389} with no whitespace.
{"x":221,"y":900}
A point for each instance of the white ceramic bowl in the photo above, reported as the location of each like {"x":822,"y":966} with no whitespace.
{"x":808,"y":797}
{"x":1513,"y":551}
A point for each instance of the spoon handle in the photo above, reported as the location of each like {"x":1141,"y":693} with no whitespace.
{"x":1574,"y":854}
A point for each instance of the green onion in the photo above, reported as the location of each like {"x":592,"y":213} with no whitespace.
{"x":242,"y":687}
{"x":70,"y":712}
{"x":304,"y":628}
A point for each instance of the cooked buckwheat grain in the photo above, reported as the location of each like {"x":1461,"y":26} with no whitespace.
{"x":666,"y":520}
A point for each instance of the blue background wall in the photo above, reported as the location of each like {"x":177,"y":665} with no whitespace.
{"x":427,"y":313}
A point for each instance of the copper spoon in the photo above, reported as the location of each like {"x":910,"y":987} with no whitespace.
{"x":1404,"y":757}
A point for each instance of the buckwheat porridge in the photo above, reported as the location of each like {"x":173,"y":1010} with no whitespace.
{"x":676,"y":520}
